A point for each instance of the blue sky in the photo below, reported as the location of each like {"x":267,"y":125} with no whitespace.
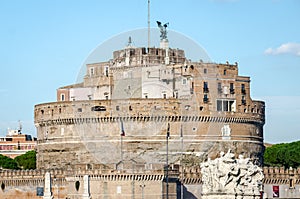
{"x":44,"y":43}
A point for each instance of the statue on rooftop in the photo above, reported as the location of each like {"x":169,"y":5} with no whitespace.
{"x":163,"y":30}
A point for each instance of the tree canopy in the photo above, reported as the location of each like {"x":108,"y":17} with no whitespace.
{"x":7,"y":163}
{"x":286,"y":154}
{"x":25,"y":161}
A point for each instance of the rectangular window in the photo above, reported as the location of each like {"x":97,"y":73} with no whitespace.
{"x":243,"y":100}
{"x":91,"y":71}
{"x":205,"y":70}
{"x":205,"y":98}
{"x":62,"y":97}
{"x":243,"y":90}
{"x":225,"y":105}
{"x":219,"y":105}
{"x":184,"y":81}
{"x":219,"y":87}
{"x":231,"y":88}
{"x":106,"y":71}
{"x":205,"y":87}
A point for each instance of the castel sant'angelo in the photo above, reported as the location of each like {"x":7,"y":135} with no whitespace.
{"x":124,"y":108}
{"x":112,"y":135}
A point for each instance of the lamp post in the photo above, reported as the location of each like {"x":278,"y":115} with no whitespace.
{"x":143,"y":186}
{"x":167,"y":169}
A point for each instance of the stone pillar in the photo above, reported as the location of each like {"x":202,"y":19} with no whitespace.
{"x":47,"y":187}
{"x":86,"y":187}
{"x":164,"y":44}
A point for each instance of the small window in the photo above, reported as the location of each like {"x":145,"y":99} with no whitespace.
{"x":224,"y":72}
{"x":205,"y":87}
{"x":130,"y":108}
{"x":62,"y":97}
{"x":98,"y":108}
{"x":91,"y":71}
{"x":219,"y":87}
{"x":231,"y":88}
{"x":117,"y":108}
{"x":164,"y":95}
{"x":106,"y":71}
{"x":184,"y":81}
{"x":205,"y":71}
{"x":205,"y":98}
{"x":243,"y":90}
{"x":79,"y":109}
{"x":292,"y":184}
{"x":243,"y":100}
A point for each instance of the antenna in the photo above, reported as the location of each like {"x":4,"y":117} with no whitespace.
{"x":148,"y":24}
{"x":20,"y":127}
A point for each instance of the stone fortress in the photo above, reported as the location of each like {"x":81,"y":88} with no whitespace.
{"x":142,"y":91}
{"x":112,"y":135}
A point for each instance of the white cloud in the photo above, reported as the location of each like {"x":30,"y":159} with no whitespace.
{"x":287,"y":48}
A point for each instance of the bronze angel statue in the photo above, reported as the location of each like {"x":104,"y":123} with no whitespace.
{"x":163,"y":30}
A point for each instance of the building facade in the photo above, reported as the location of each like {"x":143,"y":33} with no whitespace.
{"x":147,"y":93}
{"x":15,"y":143}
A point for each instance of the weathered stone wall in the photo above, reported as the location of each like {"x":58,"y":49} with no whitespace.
{"x":72,"y":133}
{"x":130,"y":182}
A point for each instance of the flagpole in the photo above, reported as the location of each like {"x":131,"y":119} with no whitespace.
{"x":181,"y":138}
{"x":121,"y":139}
{"x":121,"y":147}
{"x":167,"y":160}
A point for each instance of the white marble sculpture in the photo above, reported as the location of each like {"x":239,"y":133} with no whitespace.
{"x":228,"y":177}
{"x":47,"y":188}
{"x":86,"y":187}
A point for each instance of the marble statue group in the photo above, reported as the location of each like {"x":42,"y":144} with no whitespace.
{"x":231,"y":176}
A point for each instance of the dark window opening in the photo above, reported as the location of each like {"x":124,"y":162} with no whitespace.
{"x":130,"y":108}
{"x":205,"y":71}
{"x":205,"y":87}
{"x":106,"y":71}
{"x":117,"y":108}
{"x":225,"y":105}
{"x":205,"y":98}
{"x":79,"y":109}
{"x":219,"y":87}
{"x":243,"y":100}
{"x":243,"y":90}
{"x":231,"y":88}
{"x":225,"y":72}
{"x":98,"y":108}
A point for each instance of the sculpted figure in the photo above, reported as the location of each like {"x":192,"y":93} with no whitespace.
{"x":163,"y":29}
{"x":229,"y":175}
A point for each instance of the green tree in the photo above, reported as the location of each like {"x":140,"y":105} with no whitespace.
{"x":27,"y":160}
{"x":7,"y":163}
{"x":286,"y":154}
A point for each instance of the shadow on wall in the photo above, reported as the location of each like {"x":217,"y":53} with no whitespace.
{"x":186,"y":193}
